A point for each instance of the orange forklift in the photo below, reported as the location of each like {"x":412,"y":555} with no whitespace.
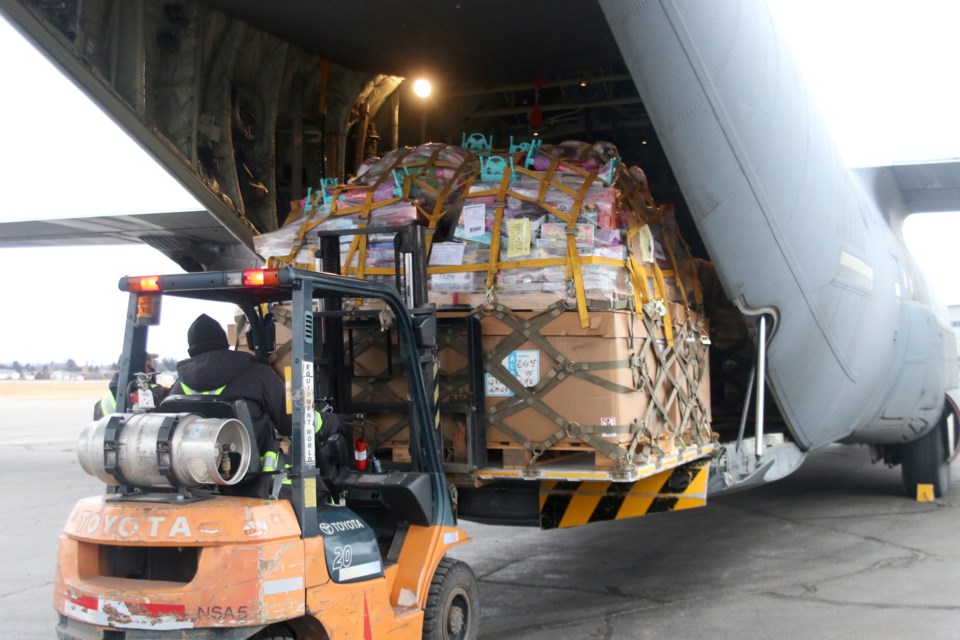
{"x":174,"y":549}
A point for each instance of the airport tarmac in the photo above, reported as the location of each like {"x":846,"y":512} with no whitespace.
{"x":833,"y":551}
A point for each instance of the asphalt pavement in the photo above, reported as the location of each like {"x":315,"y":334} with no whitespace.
{"x":834,"y":551}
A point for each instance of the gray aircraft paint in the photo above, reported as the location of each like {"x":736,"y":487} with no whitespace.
{"x":855,"y":353}
{"x":858,"y":351}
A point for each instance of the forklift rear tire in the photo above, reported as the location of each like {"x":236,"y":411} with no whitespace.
{"x":926,"y":461}
{"x":275,"y":632}
{"x":453,"y":603}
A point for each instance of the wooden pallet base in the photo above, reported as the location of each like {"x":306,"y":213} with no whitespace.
{"x":510,"y":455}
{"x":394,"y":452}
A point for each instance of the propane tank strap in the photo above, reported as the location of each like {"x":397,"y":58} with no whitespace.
{"x":164,"y":433}
{"x":110,"y":434}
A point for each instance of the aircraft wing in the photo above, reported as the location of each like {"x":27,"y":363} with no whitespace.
{"x":921,"y":187}
{"x":196,"y":240}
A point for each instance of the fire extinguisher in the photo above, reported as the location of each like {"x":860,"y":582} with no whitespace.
{"x":360,"y":453}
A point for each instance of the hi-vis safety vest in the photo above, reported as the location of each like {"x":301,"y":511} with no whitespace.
{"x":190,"y":392}
{"x":270,"y":460}
{"x":108,"y":404}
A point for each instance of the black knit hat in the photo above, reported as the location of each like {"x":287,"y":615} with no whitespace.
{"x":206,"y":334}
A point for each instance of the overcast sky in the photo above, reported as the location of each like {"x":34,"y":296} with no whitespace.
{"x":882,"y":72}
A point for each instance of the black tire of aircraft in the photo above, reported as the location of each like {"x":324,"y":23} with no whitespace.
{"x":926,"y":461}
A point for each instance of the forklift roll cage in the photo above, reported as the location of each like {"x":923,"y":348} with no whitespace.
{"x":300,"y":288}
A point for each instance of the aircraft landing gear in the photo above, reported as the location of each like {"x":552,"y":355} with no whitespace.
{"x":926,"y":460}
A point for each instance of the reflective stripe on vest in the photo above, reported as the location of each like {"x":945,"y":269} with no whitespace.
{"x":108,"y":404}
{"x":190,"y":392}
{"x":268,"y":461}
{"x":286,"y":471}
{"x":317,"y":421}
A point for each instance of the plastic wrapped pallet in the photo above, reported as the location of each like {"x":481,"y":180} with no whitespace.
{"x":426,"y":183}
{"x":581,"y":285}
{"x":556,"y":223}
{"x":523,"y":215}
{"x":435,"y":175}
{"x":336,"y":207}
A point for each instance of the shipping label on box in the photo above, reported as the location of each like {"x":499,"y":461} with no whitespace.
{"x":523,"y":364}
{"x":556,"y":234}
{"x":452,"y":281}
{"x":474,"y":220}
{"x":445,"y":254}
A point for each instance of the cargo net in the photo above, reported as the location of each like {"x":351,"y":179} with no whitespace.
{"x":654,"y":399}
{"x":524,"y":227}
{"x":553,"y":390}
{"x":405,"y":186}
{"x":526,"y":239}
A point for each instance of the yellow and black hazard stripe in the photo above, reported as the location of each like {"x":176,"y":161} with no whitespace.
{"x":565,"y":503}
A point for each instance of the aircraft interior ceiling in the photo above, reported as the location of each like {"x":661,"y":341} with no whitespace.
{"x":461,"y":42}
{"x":484,"y":58}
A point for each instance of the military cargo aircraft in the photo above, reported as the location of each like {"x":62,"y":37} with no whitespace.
{"x":249,"y":104}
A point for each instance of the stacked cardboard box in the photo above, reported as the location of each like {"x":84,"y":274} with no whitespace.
{"x":613,"y":388}
{"x":585,"y":292}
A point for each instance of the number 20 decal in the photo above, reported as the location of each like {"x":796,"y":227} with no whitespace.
{"x":342,"y":557}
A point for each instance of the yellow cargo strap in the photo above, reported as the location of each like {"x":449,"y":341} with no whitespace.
{"x":662,"y":287}
{"x":498,"y":206}
{"x":639,"y":277}
{"x":311,"y":222}
{"x":573,"y":252}
{"x":462,"y":179}
{"x":648,"y":281}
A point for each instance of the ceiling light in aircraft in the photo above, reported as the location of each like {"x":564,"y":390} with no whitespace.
{"x":422,"y":88}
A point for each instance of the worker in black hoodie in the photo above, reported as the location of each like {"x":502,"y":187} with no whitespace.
{"x":214,"y":370}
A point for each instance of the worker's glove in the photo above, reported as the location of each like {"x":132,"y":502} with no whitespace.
{"x":337,"y":423}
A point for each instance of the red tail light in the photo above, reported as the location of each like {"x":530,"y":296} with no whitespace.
{"x":260,"y":277}
{"x":141,"y":284}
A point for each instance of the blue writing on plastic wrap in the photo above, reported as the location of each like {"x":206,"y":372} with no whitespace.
{"x":524,"y":365}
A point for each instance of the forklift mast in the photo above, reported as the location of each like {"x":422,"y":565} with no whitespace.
{"x":317,"y":364}
{"x":410,"y":280}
